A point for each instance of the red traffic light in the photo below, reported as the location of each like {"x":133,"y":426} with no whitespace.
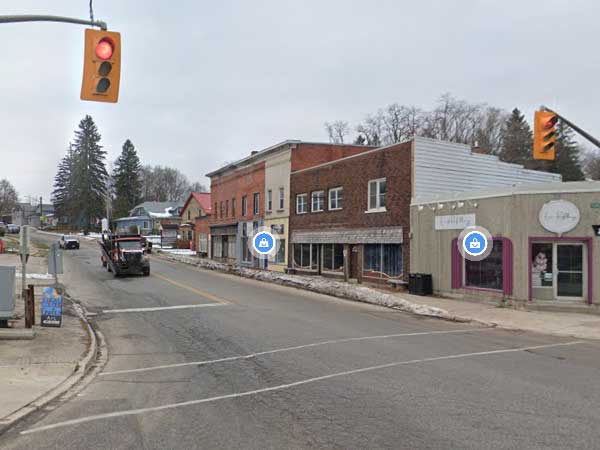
{"x":551,"y":122}
{"x":104,"y":49}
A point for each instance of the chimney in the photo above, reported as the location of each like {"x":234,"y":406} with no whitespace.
{"x":477,"y":149}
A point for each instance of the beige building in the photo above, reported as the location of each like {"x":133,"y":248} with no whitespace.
{"x":546,"y":242}
{"x":278,"y":167}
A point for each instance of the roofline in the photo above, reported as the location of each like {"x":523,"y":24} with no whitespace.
{"x":267,"y":151}
{"x":518,"y":190}
{"x":190,"y":197}
{"x":368,"y":152}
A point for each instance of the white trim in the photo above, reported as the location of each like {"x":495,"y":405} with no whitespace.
{"x":329,"y":192}
{"x":305,"y":195}
{"x":312,"y":199}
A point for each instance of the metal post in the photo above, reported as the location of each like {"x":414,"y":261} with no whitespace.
{"x":586,"y":135}
{"x":46,"y":18}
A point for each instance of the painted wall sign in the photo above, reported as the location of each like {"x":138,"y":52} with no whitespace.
{"x":51,"y":308}
{"x":454,"y":222}
{"x":559,"y":216}
{"x":595,"y":205}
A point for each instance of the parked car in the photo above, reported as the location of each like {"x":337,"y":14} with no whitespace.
{"x":67,"y":242}
{"x":14,"y":229}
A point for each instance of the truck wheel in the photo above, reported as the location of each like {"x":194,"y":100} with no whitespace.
{"x":108,"y":268}
{"x":146,"y":272}
{"x":104,"y":264}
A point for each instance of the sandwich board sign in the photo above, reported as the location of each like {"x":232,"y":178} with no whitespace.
{"x":51,"y":308}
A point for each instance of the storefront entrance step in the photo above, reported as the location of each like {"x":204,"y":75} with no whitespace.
{"x":568,"y":307}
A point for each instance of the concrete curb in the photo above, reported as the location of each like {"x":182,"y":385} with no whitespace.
{"x":339,"y":290}
{"x":78,"y":374}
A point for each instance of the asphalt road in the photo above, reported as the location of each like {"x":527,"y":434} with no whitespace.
{"x":267,"y":367}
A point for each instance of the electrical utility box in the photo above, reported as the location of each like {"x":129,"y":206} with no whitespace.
{"x":7,"y":292}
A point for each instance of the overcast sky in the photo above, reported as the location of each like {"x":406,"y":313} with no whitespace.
{"x":205,"y":82}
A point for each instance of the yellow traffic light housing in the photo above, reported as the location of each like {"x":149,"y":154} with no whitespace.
{"x":101,"y":66}
{"x":544,"y":135}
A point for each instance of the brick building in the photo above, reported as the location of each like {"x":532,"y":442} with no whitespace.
{"x":353,"y":223}
{"x":352,"y":215}
{"x":254,"y":192}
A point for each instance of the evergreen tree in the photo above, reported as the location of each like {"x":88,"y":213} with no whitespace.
{"x":517,"y":140}
{"x":89,"y":174}
{"x":62,"y":195}
{"x":127,"y":180}
{"x":566,"y":161}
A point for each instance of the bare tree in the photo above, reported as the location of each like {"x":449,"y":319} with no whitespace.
{"x":166,"y":184}
{"x":8,"y":197}
{"x":337,"y":131}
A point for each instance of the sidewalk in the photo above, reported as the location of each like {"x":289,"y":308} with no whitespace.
{"x":34,"y":371}
{"x":584,"y":326}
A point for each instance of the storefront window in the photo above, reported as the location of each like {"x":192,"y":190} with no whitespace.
{"x":541,"y":265}
{"x":382,"y":260}
{"x":486,"y":274}
{"x":333,"y":257}
{"x":305,"y":256}
{"x":280,"y":255}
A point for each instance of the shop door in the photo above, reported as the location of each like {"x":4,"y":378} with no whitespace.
{"x":225,"y":247}
{"x":354,"y":263}
{"x":569,"y":269}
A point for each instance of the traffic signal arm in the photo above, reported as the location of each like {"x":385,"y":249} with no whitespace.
{"x":101,"y":66}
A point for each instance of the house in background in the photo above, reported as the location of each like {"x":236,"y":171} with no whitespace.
{"x":28,"y":214}
{"x":197,"y":205}
{"x":149,"y":216}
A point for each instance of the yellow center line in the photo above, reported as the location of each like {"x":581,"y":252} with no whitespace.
{"x":192,"y":289}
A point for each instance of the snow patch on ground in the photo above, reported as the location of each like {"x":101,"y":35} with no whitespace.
{"x":37,"y":276}
{"x":320,"y":285}
{"x":176,"y":251}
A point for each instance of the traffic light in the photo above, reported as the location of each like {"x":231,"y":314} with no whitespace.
{"x":101,"y":66}
{"x":544,"y":135}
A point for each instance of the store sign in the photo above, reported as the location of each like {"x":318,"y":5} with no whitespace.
{"x":454,"y":222}
{"x":595,"y":205}
{"x":559,"y":216}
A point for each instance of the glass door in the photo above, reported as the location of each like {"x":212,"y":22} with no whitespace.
{"x":569,"y":271}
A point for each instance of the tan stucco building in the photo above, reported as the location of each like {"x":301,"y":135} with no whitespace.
{"x":546,"y":242}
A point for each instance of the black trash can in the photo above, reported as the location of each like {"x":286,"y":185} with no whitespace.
{"x":423,"y":284}
{"x":412,"y":286}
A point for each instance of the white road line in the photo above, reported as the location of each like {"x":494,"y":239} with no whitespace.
{"x":288,"y":349}
{"x":134,"y":412}
{"x":160,"y":308}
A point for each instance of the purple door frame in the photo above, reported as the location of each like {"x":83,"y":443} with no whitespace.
{"x":588,"y":241}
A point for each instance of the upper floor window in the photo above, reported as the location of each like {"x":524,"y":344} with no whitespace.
{"x":318,"y":201}
{"x":335,"y":198}
{"x":244,"y":205}
{"x":233,"y":207}
{"x":377,"y":192}
{"x":216,"y":211}
{"x":221,"y":209}
{"x":226,"y":208}
{"x":269,"y":200}
{"x":189,"y":215}
{"x":256,"y":206}
{"x":301,"y":203}
{"x":281,"y":198}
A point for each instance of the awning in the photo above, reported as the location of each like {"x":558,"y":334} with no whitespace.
{"x":223,"y":230}
{"x":386,"y":235}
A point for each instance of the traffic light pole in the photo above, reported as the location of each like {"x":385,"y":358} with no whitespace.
{"x":586,"y":135}
{"x":44,"y":18}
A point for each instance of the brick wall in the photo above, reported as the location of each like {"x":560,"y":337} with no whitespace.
{"x":309,"y":155}
{"x":353,"y":174}
{"x":243,"y":182}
